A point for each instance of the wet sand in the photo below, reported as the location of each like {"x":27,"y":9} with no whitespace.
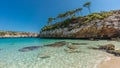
{"x":113,"y":62}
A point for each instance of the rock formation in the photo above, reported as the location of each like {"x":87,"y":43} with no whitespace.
{"x":10,"y":34}
{"x":96,"y":27}
{"x":30,"y":48}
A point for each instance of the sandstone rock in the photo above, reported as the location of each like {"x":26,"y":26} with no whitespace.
{"x":57,"y":44}
{"x":107,"y":47}
{"x":30,"y":48}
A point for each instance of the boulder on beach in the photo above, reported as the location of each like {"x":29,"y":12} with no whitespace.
{"x":57,"y":44}
{"x":107,"y":47}
{"x":30,"y":48}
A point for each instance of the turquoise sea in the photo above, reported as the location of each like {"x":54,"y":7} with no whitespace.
{"x":11,"y":57}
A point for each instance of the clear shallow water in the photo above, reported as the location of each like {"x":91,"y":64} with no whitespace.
{"x":10,"y":57}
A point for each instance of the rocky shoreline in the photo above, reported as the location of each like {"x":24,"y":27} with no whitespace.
{"x":21,"y":36}
{"x":8,"y":34}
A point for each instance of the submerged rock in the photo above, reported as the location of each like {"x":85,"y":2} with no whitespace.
{"x":107,"y":47}
{"x":72,"y":50}
{"x":44,"y":55}
{"x":72,"y":46}
{"x":57,"y":44}
{"x":79,"y":43}
{"x":115,"y":52}
{"x":95,"y":48}
{"x":30,"y":48}
{"x":104,"y":47}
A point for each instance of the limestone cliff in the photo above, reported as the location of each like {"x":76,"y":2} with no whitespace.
{"x":91,"y":26}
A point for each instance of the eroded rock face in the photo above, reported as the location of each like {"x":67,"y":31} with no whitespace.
{"x":107,"y":47}
{"x":108,"y":27}
{"x":30,"y":48}
{"x":57,"y":44}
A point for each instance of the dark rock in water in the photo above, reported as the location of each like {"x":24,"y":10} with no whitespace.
{"x":107,"y":47}
{"x":115,"y":52}
{"x":30,"y":48}
{"x":57,"y":44}
{"x":104,"y":47}
{"x":79,"y":43}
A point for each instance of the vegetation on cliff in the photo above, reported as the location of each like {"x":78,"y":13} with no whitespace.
{"x":94,"y":25}
{"x":83,"y":20}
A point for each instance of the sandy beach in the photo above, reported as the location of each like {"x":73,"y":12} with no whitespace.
{"x":113,"y":62}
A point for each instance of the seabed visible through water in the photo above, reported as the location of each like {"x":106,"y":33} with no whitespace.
{"x":56,"y":57}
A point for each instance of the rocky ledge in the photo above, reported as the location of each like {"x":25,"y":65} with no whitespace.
{"x":95,"y":27}
{"x":9,"y":34}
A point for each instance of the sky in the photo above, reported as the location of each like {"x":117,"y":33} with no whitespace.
{"x":32,"y":15}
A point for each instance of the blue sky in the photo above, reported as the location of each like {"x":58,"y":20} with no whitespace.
{"x":31,"y":15}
